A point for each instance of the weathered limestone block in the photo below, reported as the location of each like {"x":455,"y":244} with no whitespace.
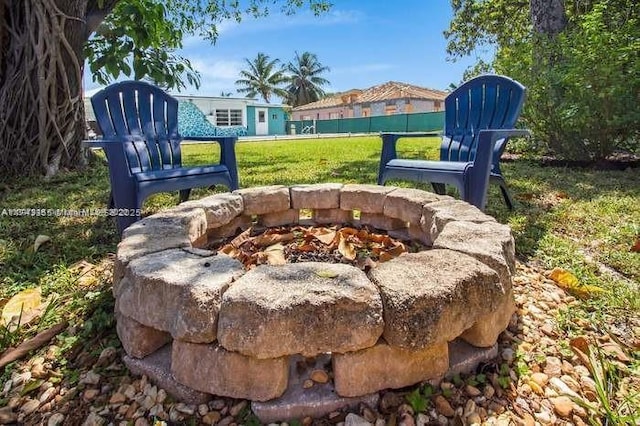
{"x":299,"y":402}
{"x":318,"y":196}
{"x":433,"y":296}
{"x":327,"y":216}
{"x":157,"y":367}
{"x":436,"y":215}
{"x":237,"y":225}
{"x":139,"y":340}
{"x":187,"y":217}
{"x":286,"y":217}
{"x":264,"y":199}
{"x":212,"y":369}
{"x":381,"y":221}
{"x":386,"y":367}
{"x":146,"y":241}
{"x":366,"y":198}
{"x":415,"y":232}
{"x":484,"y":333}
{"x":307,"y":308}
{"x":220,"y":208}
{"x":490,"y":242}
{"x":406,"y":203}
{"x":178,"y":292}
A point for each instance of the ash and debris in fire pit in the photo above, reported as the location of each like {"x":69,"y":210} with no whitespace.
{"x":361,"y":247}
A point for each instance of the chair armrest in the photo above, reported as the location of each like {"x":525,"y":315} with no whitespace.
{"x":227,"y":153}
{"x":480,"y":172}
{"x":389,"y":142}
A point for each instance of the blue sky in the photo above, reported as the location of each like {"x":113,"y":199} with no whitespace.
{"x":363,"y":42}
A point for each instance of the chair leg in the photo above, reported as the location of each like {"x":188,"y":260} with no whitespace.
{"x":439,"y":188}
{"x":184,"y":195}
{"x":506,"y":195}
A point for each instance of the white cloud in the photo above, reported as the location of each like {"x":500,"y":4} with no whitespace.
{"x":216,"y":75}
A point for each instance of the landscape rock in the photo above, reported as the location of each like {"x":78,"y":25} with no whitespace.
{"x":264,"y":199}
{"x":316,"y":196}
{"x":178,"y":292}
{"x":220,"y":209}
{"x":366,"y":198}
{"x":437,"y":214}
{"x":307,"y":308}
{"x":407,"y":204}
{"x":484,"y":333}
{"x":285,"y":217}
{"x":489,"y":242}
{"x":433,"y":296}
{"x":137,"y":339}
{"x":226,"y":373}
{"x":386,"y":367}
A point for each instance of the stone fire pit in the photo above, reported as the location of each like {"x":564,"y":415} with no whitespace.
{"x":199,"y":324}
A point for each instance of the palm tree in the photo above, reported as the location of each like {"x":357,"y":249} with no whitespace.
{"x":305,"y":83}
{"x":264,"y":77}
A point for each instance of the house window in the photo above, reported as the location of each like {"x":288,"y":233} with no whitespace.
{"x":229,"y":117}
{"x":261,"y":117}
{"x":274,"y":116}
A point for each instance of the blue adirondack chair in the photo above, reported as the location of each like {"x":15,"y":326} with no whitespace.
{"x":139,"y":124}
{"x":479,"y":120}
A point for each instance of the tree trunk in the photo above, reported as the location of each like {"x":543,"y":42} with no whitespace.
{"x":548,"y":17}
{"x":42,"y":118}
{"x":41,"y":106}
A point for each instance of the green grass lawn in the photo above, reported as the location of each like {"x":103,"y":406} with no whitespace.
{"x":577,"y":219}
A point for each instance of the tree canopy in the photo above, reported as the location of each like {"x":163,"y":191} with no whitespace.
{"x":44,"y":45}
{"x":578,"y":59}
{"x":264,"y":76}
{"x":306,"y":79}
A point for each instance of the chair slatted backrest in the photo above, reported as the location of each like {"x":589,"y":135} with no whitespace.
{"x":484,"y":102}
{"x":145,"y":119}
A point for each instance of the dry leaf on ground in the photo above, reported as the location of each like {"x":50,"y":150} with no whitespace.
{"x":568,"y":281}
{"x":22,"y":308}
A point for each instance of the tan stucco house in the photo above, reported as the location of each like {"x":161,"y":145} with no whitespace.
{"x":384,"y":99}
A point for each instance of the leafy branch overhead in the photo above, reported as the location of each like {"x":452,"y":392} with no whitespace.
{"x":139,"y":38}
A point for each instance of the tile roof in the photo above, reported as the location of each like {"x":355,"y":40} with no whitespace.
{"x":382,"y":92}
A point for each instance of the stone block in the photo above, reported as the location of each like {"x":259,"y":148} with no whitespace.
{"x":220,"y":209}
{"x":307,"y":308}
{"x":433,"y":296}
{"x":464,"y":358}
{"x":286,"y":217}
{"x":484,"y":333}
{"x":387,"y":367}
{"x":381,"y":221}
{"x":143,"y":243}
{"x":191,"y":218}
{"x":137,"y":339}
{"x":317,"y":196}
{"x":231,"y":229}
{"x":265,"y":199}
{"x":490,"y":242}
{"x":212,"y":369}
{"x":299,"y":402}
{"x":406,"y":204}
{"x":178,"y":292}
{"x":366,"y":198}
{"x":331,"y":216}
{"x":437,"y":214}
{"x":157,"y":367}
{"x":416,"y":233}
